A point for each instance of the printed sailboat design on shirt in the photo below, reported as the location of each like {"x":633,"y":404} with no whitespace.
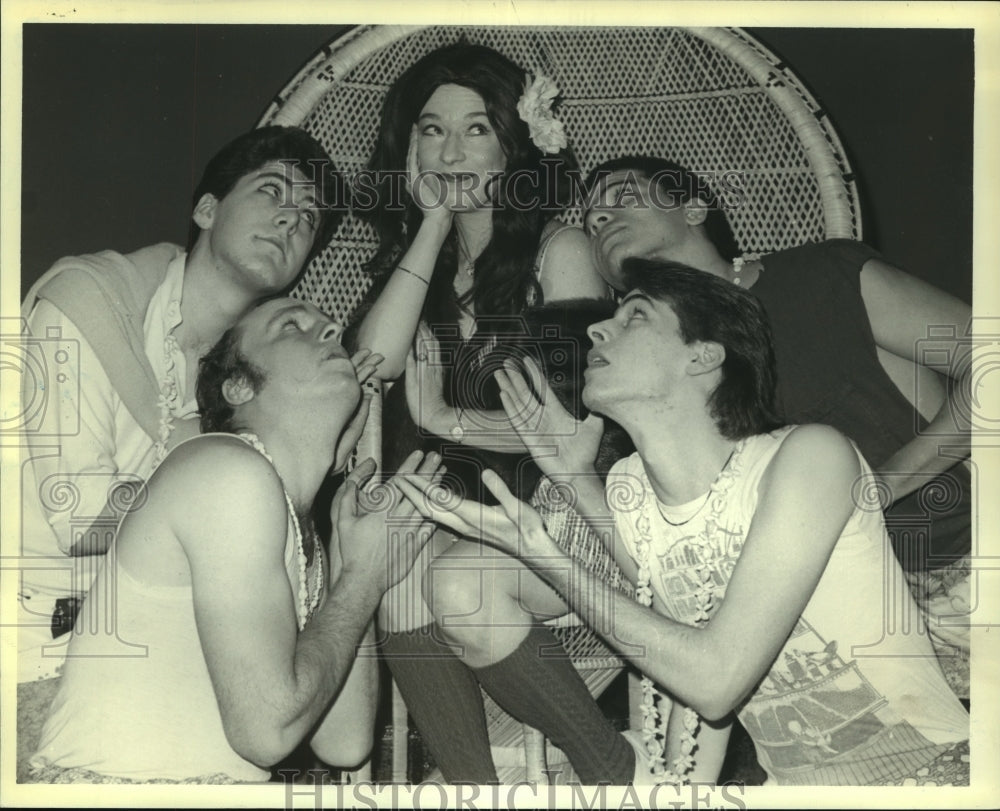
{"x":816,"y":719}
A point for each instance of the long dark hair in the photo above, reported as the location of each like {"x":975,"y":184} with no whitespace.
{"x":504,"y":278}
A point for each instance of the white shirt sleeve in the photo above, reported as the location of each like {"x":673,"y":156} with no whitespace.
{"x":72,"y":435}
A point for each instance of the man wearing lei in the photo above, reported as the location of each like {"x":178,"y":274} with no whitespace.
{"x":743,"y":538}
{"x":117,"y":339}
{"x":236,"y":634}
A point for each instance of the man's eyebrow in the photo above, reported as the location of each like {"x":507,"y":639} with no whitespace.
{"x":291,"y":309}
{"x":600,"y":190}
{"x":290,"y":184}
{"x":635,"y":295}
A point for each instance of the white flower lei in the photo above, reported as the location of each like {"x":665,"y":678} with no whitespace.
{"x":535,"y":109}
{"x":654,"y":723}
{"x":308,"y":599}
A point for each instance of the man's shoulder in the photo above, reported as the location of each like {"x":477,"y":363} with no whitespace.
{"x":224,"y":502}
{"x":220,"y":483}
{"x":148,"y":263}
{"x":810,"y":450}
{"x":849,"y":251}
{"x":214,"y":464}
{"x":140,"y":272}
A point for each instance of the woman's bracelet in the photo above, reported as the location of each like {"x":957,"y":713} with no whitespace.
{"x":414,"y":275}
{"x":457,"y":432}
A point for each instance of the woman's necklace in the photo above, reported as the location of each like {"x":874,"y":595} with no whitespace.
{"x":654,"y":722}
{"x":466,"y":264}
{"x":308,"y":599}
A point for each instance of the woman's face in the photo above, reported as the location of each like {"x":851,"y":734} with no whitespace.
{"x":455,"y":137}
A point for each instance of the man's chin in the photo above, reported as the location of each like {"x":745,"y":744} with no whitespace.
{"x":344,"y":386}
{"x":610,"y":269}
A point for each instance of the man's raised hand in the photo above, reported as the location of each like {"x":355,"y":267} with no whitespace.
{"x":513,"y":527}
{"x":380,"y":532}
{"x":561,"y":445}
{"x":365,"y":363}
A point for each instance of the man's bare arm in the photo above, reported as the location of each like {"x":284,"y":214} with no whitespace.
{"x":801,"y":513}
{"x":272,"y":682}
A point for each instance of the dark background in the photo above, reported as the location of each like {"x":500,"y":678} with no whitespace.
{"x":119,"y":120}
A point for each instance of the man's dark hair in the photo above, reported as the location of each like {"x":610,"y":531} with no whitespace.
{"x":709,"y":308}
{"x":224,"y":361}
{"x":250,"y":151}
{"x":678,"y":185}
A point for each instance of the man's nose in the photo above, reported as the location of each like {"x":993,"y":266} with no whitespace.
{"x":596,"y":220}
{"x":288,"y":218}
{"x":332,"y":331}
{"x":600,"y":332}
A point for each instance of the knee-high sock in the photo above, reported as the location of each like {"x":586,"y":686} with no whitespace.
{"x":546,"y":692}
{"x":443,"y":696}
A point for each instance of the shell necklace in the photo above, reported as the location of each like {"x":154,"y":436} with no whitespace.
{"x":308,"y":599}
{"x":654,"y":722}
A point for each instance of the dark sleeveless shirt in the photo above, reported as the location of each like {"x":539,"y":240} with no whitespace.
{"x":829,"y":372}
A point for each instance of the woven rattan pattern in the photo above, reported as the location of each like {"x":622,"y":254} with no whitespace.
{"x":670,"y":92}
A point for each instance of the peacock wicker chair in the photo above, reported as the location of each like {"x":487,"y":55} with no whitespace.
{"x":711,"y":99}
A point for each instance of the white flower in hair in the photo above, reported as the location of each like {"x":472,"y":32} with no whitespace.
{"x":535,"y":109}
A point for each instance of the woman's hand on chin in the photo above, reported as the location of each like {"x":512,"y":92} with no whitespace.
{"x":425,"y":385}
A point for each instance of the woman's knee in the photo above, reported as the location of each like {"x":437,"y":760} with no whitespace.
{"x":463,"y":584}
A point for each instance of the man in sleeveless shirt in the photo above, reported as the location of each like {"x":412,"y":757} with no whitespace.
{"x":860,"y":345}
{"x":120,"y":337}
{"x":742,"y":538}
{"x":237,"y":633}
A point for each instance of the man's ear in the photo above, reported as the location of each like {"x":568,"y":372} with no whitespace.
{"x":695,"y":211}
{"x":708,"y":356}
{"x":204,"y":211}
{"x":237,"y":391}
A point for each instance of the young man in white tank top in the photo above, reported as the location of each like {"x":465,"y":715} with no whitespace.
{"x":760,"y":567}
{"x":237,"y":634}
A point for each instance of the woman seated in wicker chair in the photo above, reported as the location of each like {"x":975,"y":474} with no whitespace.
{"x":465,"y":252}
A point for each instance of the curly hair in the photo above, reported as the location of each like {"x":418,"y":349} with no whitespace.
{"x":224,"y":361}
